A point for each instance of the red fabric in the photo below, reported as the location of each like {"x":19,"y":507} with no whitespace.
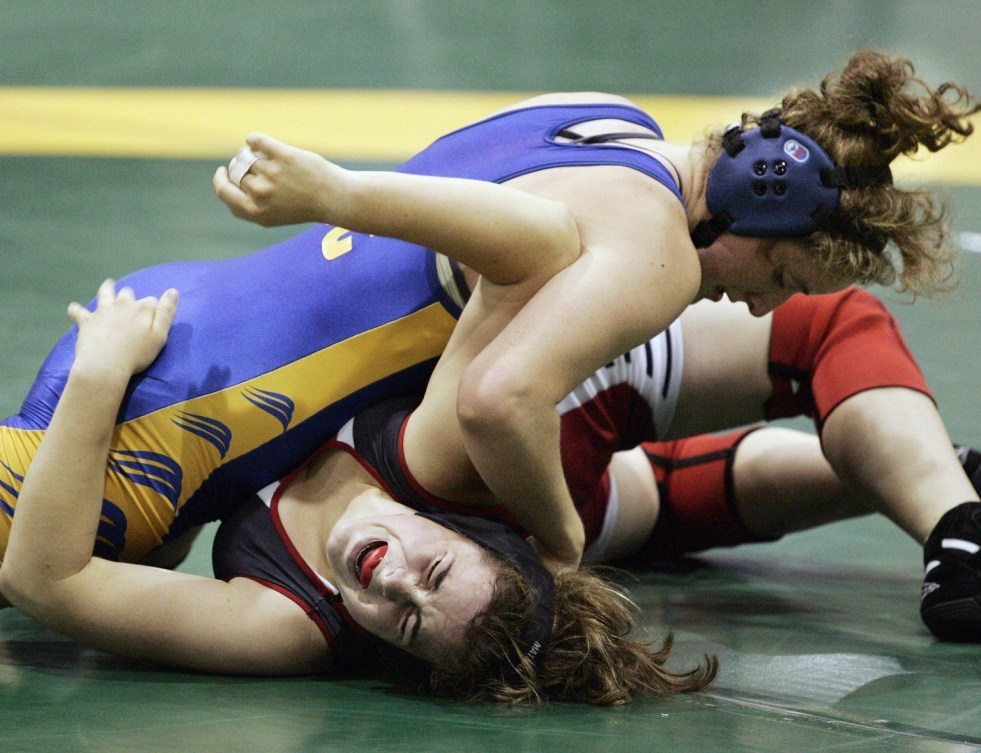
{"x":826,"y":348}
{"x":694,"y":478}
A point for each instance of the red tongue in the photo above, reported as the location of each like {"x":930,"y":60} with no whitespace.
{"x":371,"y":560}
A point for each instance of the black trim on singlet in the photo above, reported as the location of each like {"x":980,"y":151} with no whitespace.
{"x":730,"y":488}
{"x":775,"y":368}
{"x":376,"y":431}
{"x":671,"y":464}
{"x":669,"y":349}
{"x":247,"y":545}
{"x":604,"y":138}
{"x":647,"y":552}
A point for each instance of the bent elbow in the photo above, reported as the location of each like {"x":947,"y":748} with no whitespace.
{"x":562,"y":243}
{"x":14,"y":588}
{"x":492,"y":400}
{"x":21,"y":586}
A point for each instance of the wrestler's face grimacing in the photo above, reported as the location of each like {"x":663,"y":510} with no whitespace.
{"x":407,"y":579}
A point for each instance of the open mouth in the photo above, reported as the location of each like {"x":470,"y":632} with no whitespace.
{"x":367,"y":560}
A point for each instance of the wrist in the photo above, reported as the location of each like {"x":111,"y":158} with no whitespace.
{"x":572,"y":542}
{"x":93,"y":372}
{"x":336,"y":197}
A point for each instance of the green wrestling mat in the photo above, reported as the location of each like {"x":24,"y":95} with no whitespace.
{"x":113,"y":117}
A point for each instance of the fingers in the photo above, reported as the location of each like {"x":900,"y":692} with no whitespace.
{"x":106,"y":293}
{"x":238,"y":201}
{"x":220,"y":180}
{"x":78,"y":313}
{"x":263,"y":190}
{"x":166,"y":308}
{"x":163,"y":308}
{"x":267,"y":145}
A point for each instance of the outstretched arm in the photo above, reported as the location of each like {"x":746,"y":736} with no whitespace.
{"x":504,"y":234}
{"x":48,"y":570}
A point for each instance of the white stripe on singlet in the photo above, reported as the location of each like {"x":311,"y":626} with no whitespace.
{"x":653,"y":369}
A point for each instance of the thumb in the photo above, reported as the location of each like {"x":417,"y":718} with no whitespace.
{"x":78,"y":313}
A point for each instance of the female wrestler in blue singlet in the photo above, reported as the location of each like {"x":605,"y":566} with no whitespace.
{"x":273,"y":351}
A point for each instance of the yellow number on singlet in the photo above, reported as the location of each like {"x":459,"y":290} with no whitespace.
{"x":336,"y":243}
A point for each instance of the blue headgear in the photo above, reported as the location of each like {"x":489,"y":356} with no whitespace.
{"x":773,"y":181}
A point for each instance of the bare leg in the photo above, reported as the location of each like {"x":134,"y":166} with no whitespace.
{"x":722,"y":490}
{"x":887,"y":443}
{"x":891,"y":444}
{"x":783,"y":483}
{"x":638,"y":503}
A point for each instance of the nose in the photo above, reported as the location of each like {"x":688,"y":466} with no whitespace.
{"x":761,"y":305}
{"x":395,"y":584}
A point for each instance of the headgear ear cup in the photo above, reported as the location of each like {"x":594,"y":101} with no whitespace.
{"x":772,"y":187}
{"x":774,"y":181}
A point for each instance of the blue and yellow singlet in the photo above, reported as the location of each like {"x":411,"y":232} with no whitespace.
{"x":272,"y":352}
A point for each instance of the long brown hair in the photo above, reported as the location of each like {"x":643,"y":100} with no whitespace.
{"x":590,"y":657}
{"x":868,"y":113}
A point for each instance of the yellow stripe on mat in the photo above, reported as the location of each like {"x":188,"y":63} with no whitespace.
{"x":345,"y":124}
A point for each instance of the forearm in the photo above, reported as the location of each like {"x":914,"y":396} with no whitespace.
{"x":505,"y":234}
{"x":514,"y":445}
{"x":54,"y":529}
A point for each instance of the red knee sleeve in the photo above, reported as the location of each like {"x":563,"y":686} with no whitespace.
{"x":826,"y":348}
{"x":694,"y":478}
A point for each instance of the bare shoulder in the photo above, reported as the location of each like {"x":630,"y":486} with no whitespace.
{"x":629,"y":214}
{"x":572,"y":98}
{"x":608,"y":191}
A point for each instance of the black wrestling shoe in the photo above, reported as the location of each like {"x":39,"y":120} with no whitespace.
{"x":971,"y":460}
{"x":951,"y":601}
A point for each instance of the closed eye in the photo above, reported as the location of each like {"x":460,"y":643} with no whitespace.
{"x":436,"y":583}
{"x":780,"y":280}
{"x":416,"y":626}
{"x":441,"y":576}
{"x":432,"y":569}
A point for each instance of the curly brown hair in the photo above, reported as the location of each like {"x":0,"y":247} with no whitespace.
{"x":868,"y":113}
{"x":590,"y":657}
